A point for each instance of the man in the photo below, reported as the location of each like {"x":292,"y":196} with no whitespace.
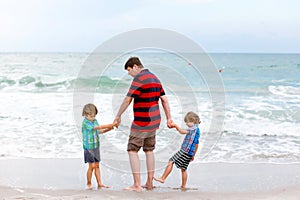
{"x":146,"y":90}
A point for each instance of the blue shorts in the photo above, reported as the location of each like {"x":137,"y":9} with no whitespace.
{"x":92,"y":155}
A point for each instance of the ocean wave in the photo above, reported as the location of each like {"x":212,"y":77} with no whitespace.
{"x":277,"y":156}
{"x":272,"y":66}
{"x":239,"y":147}
{"x":286,"y":91}
{"x":57,"y":84}
{"x":263,"y":118}
{"x":4,"y":82}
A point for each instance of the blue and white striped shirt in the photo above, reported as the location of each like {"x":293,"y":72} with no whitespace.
{"x":190,"y":140}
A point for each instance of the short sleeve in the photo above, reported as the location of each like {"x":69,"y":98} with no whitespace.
{"x":135,"y":88}
{"x":162,"y":91}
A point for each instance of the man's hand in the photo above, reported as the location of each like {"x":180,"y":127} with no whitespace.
{"x":170,"y":123}
{"x":117,"y":122}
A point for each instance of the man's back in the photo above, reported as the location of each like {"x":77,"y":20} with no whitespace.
{"x":146,"y":90}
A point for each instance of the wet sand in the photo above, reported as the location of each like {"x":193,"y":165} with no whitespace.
{"x":65,"y":179}
{"x":289,"y":193}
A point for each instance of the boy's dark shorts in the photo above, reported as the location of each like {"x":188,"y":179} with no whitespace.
{"x":92,"y":155}
{"x":141,"y":139}
{"x":181,"y":159}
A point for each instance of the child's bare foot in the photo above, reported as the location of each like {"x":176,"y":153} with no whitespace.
{"x":89,"y":186}
{"x":134,"y":188}
{"x":102,"y":186}
{"x":160,"y":179}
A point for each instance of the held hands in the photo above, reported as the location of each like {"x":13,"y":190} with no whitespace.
{"x":173,"y":125}
{"x":117,"y":122}
{"x":106,"y":127}
{"x":170,"y":123}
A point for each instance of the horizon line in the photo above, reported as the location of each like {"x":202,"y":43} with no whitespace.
{"x":208,"y":52}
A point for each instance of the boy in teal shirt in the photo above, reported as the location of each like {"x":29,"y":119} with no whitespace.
{"x":91,"y":142}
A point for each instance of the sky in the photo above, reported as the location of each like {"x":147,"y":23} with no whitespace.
{"x":265,"y":26}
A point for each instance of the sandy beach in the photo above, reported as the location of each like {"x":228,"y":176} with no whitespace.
{"x":291,"y":193}
{"x":65,"y":179}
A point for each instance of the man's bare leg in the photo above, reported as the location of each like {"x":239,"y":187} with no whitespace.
{"x":135,"y":168}
{"x":150,"y":161}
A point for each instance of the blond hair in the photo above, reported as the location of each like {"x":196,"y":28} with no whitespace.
{"x":192,"y":117}
{"x":89,"y":109}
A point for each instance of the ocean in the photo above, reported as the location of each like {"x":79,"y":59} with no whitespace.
{"x":260,"y":122}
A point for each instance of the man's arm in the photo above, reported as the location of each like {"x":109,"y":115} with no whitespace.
{"x":126,"y":102}
{"x":166,"y":106}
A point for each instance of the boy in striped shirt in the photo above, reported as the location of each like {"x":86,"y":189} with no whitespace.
{"x":188,"y":149}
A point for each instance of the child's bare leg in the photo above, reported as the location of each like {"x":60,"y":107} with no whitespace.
{"x":184,"y":177}
{"x":89,"y":175}
{"x":98,"y":176}
{"x":166,"y":173}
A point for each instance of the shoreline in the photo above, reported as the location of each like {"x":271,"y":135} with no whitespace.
{"x":65,"y":178}
{"x":287,"y":193}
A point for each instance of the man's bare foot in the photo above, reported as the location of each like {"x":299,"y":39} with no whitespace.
{"x":161,"y":180}
{"x":148,"y":187}
{"x":102,"y":186}
{"x":89,"y":186}
{"x":183,"y":188}
{"x":134,"y":188}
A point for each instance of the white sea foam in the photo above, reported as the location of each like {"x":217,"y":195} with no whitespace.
{"x":285,"y":91}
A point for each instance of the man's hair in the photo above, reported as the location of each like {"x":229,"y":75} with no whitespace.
{"x":133,"y":61}
{"x":192,"y":117}
{"x":89,"y":109}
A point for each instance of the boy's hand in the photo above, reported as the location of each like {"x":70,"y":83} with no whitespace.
{"x":192,"y":159}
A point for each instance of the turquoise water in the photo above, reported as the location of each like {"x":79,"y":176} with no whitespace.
{"x":261,"y":118}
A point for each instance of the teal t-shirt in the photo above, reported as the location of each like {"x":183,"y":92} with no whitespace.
{"x":90,"y":136}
